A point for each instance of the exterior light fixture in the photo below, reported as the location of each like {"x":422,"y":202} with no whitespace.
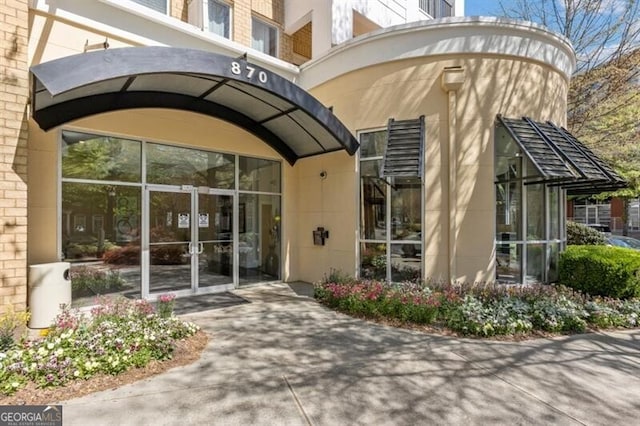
{"x":104,"y":45}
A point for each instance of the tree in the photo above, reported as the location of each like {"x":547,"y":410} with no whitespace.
{"x":604,"y":95}
{"x":606,"y":36}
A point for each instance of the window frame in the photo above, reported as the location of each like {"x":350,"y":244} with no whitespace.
{"x":388,"y":241}
{"x":143,"y":183}
{"x":167,"y":12}
{"x":524,"y":241}
{"x":267,"y":24}
{"x":229,"y":13}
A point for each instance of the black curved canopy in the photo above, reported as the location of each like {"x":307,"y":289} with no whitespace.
{"x":274,"y":109}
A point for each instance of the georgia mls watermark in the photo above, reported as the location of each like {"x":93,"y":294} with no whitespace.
{"x":30,"y":415}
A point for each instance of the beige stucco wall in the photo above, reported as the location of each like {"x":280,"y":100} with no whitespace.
{"x":52,"y":38}
{"x":331,"y":203}
{"x":367,"y":98}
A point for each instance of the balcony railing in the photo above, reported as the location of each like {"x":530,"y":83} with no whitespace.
{"x":436,"y":8}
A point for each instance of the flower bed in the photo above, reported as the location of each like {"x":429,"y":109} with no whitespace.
{"x":480,"y":309}
{"x":118,"y":335}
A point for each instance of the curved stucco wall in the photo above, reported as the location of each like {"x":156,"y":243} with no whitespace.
{"x":366,"y":97}
{"x":449,"y":36}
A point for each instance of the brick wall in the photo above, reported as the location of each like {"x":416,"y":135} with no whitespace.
{"x":302,"y":41}
{"x":179,"y":9}
{"x":272,"y":12}
{"x":14,"y":91}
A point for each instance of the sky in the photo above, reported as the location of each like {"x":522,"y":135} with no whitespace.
{"x":481,"y":7}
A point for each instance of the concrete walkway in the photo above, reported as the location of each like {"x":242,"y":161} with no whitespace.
{"x":282,"y":359}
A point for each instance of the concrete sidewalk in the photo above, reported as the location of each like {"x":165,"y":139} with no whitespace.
{"x":285,"y":360}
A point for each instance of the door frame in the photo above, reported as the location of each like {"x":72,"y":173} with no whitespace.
{"x":194,"y":193}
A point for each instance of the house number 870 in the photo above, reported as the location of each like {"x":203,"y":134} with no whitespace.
{"x":249,"y":70}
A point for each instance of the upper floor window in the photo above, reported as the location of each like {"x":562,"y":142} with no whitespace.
{"x":437,"y":8}
{"x":264,"y":37}
{"x":158,"y":5}
{"x":219,"y":16}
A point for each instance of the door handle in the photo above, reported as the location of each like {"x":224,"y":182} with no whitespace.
{"x":190,"y":248}
{"x":200,"y":248}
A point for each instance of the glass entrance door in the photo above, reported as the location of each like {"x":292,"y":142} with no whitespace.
{"x":189,"y":240}
{"x":215,"y":239}
{"x":170,"y":240}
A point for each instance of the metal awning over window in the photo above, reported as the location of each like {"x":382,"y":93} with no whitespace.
{"x":277,"y":111}
{"x":404,"y":150}
{"x":560,"y":158}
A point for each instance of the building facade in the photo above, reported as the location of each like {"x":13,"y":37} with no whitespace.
{"x":197,"y":146}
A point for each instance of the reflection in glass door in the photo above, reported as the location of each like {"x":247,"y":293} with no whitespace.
{"x":170,"y":240}
{"x":215,"y":239}
{"x":190,"y":239}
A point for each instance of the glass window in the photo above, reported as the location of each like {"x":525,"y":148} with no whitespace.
{"x":373,"y":198}
{"x":373,"y":261}
{"x":101,"y":237}
{"x":508,"y":170}
{"x":219,"y":18}
{"x":554,"y":258}
{"x":508,"y":262}
{"x":157,"y":5}
{"x":372,"y":144}
{"x":259,"y":175}
{"x":532,"y":257}
{"x":390,"y":217}
{"x":535,"y":212}
{"x":535,"y":263}
{"x":508,"y":211}
{"x":264,"y":37}
{"x":259,"y":237}
{"x":86,"y":156}
{"x":406,"y":262}
{"x":172,"y":165}
{"x":406,"y":208}
{"x":554,"y":212}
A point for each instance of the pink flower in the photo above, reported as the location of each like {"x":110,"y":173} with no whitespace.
{"x":166,"y":298}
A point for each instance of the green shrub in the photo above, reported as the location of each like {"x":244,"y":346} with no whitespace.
{"x":579,"y":234}
{"x":601,"y":270}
